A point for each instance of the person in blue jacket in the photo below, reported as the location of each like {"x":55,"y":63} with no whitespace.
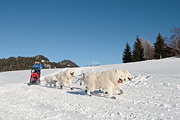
{"x":37,"y":67}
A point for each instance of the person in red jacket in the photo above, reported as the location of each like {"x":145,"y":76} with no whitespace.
{"x":34,"y":76}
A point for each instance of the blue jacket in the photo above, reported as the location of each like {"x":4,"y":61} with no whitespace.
{"x":37,"y":66}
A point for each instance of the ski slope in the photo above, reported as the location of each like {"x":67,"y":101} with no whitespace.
{"x":153,"y":94}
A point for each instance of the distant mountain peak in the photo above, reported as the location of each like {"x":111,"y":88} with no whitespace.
{"x":68,"y":63}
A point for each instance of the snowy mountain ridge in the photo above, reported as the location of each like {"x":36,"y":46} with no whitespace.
{"x":153,"y":94}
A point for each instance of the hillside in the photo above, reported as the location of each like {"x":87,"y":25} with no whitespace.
{"x":153,"y":94}
{"x":26,"y":63}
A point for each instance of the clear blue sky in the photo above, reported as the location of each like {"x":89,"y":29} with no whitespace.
{"x":82,"y":30}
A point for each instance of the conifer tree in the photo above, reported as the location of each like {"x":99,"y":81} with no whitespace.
{"x":138,"y":51}
{"x":159,"y":47}
{"x":127,"y":55}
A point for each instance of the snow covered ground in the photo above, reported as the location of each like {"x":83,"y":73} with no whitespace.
{"x":153,"y":94}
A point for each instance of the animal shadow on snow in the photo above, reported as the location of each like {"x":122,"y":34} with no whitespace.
{"x":76,"y":88}
{"x":48,"y":86}
{"x":95,"y":93}
{"x":77,"y":92}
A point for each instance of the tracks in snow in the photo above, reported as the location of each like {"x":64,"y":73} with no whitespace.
{"x":148,"y":96}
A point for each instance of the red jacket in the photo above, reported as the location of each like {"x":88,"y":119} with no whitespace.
{"x":34,"y":75}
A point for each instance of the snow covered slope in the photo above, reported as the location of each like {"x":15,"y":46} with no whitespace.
{"x":153,"y":94}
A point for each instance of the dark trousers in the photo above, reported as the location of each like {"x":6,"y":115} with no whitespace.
{"x":39,"y":73}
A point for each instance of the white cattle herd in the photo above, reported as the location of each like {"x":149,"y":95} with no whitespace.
{"x":109,"y":81}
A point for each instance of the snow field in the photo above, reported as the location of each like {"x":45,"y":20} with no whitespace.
{"x":153,"y":94}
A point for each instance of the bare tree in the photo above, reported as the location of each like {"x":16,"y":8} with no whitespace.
{"x":174,"y":41}
{"x":142,"y":41}
{"x":142,"y":44}
{"x":175,"y":38}
{"x":148,"y":50}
